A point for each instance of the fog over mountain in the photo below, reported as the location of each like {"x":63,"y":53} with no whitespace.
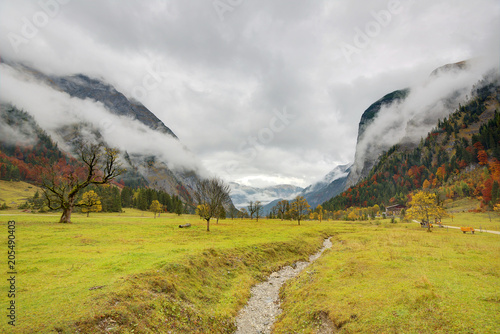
{"x":329,"y":186}
{"x":407,"y":115}
{"x":73,"y":107}
{"x":54,"y":108}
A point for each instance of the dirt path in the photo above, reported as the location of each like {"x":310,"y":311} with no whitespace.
{"x":458,"y":228}
{"x":260,"y":313}
{"x":487,"y":231}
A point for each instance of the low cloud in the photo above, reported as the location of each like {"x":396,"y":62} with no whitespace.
{"x":21,"y":134}
{"x":54,"y":110}
{"x":411,"y":119}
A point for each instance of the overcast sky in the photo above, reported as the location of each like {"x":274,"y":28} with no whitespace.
{"x":262,"y":92}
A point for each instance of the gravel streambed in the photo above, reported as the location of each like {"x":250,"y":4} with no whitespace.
{"x":260,"y":313}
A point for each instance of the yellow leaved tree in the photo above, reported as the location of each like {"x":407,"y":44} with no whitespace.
{"x":299,"y":208}
{"x":156,"y":207}
{"x":90,"y":202}
{"x":320,"y":211}
{"x":423,"y":206}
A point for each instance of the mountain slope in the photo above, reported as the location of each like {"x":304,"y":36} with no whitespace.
{"x":92,"y":109}
{"x":83,"y":87}
{"x":367,"y":153}
{"x":24,"y":146}
{"x":404,"y":116}
{"x":448,"y":161}
{"x":330,"y":186}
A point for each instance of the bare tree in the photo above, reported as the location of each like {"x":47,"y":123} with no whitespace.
{"x":61,"y":184}
{"x":255,"y":208}
{"x":283,"y":206}
{"x":258,"y":209}
{"x":211,"y":195}
{"x":251,"y":209}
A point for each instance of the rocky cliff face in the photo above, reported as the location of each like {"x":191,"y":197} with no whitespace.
{"x":404,"y":116}
{"x":367,"y":152}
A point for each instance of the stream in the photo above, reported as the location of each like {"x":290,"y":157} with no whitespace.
{"x":263,"y":307}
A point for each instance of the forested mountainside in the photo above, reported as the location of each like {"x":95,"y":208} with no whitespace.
{"x":460,"y":157}
{"x":404,"y":116}
{"x":89,"y":108}
{"x":24,"y":146}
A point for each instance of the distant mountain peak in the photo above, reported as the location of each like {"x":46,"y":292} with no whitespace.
{"x":329,"y":186}
{"x":459,"y":66}
{"x":242,"y":194}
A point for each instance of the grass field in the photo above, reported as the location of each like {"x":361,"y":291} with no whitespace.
{"x":14,"y":193}
{"x":130,"y":273}
{"x":398,"y":279}
{"x":183,"y":279}
{"x":479,"y":221}
{"x":460,"y":216}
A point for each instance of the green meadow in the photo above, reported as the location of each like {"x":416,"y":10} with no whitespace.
{"x":131,"y":273}
{"x":108,"y":271}
{"x":15,"y":193}
{"x":395,"y":278}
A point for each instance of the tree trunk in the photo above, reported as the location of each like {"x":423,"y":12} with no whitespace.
{"x":88,"y":213}
{"x":208,"y":225}
{"x":66,"y":215}
{"x":68,"y":209}
{"x":298,"y":220}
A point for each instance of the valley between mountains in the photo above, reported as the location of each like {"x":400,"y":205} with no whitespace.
{"x":142,"y":261}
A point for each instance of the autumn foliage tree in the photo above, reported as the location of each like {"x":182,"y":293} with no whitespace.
{"x":320,"y":212}
{"x":299,"y":208}
{"x":156,"y":207}
{"x":90,"y":202}
{"x":61,"y":183}
{"x":423,"y":206}
{"x":482,"y":156}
